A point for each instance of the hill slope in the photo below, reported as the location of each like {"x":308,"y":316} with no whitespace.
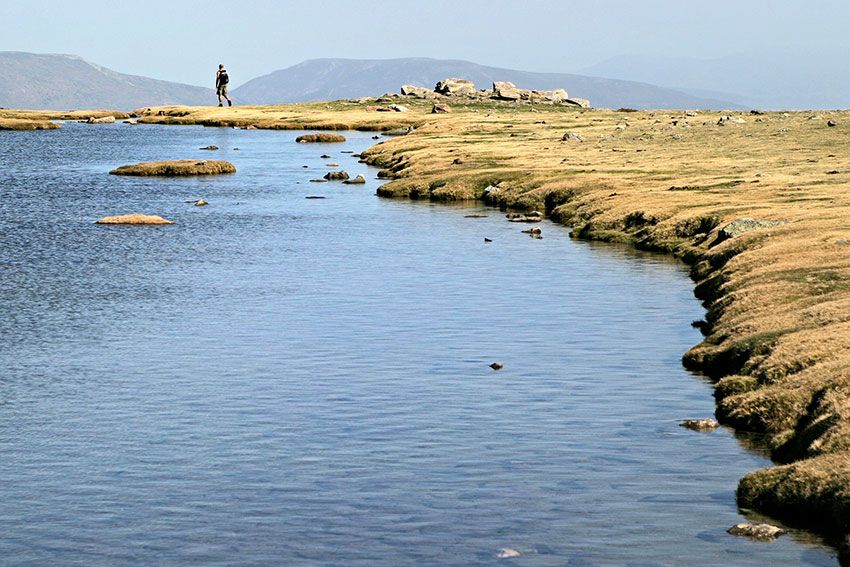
{"x":61,"y":82}
{"x":328,"y":79}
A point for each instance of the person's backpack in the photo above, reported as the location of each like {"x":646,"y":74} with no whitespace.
{"x":223,"y":79}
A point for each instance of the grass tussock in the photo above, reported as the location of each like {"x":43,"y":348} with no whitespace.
{"x":322,"y":138}
{"x":26,"y":124}
{"x":176,"y":168}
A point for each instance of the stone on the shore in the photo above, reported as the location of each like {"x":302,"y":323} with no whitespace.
{"x":504,"y":90}
{"x":759,"y":532}
{"x":357,"y":180}
{"x":209,"y":148}
{"x":555,"y":95}
{"x":336,"y":175}
{"x":508,"y":553}
{"x":321,"y":138}
{"x":398,"y":108}
{"x":102,"y":120}
{"x":572,"y":137}
{"x":831,"y":123}
{"x":741,"y":226}
{"x":441,"y":109}
{"x":455,"y":87}
{"x":706,"y":424}
{"x":176,"y":168}
{"x":134,"y":219}
{"x":580,"y":102}
{"x":398,"y":132}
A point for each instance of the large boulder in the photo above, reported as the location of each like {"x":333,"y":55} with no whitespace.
{"x":455,"y":87}
{"x":741,"y":226}
{"x":102,"y":120}
{"x":504,"y":90}
{"x":417,"y":92}
{"x":580,"y":102}
{"x":555,"y":95}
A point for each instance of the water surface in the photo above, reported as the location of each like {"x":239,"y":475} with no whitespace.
{"x":277,"y":380}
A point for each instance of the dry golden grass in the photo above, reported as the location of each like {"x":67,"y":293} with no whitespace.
{"x":24,"y":124}
{"x":134,"y":219}
{"x":176,"y":168}
{"x":778,"y":298}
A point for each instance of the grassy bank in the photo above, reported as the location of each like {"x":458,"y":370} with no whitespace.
{"x":776,"y":287}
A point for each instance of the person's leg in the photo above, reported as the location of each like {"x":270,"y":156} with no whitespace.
{"x":218,"y":93}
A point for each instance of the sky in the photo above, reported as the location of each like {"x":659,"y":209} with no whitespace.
{"x":185,"y":40}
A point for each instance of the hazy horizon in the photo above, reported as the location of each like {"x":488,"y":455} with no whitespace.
{"x":258,"y":37}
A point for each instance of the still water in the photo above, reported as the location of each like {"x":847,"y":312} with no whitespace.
{"x":276,"y":380}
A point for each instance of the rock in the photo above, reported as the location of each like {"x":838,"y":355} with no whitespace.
{"x":336,"y":176}
{"x":103,"y":120}
{"x":332,"y":164}
{"x":832,"y":123}
{"x":743,"y":225}
{"x":201,"y":203}
{"x":455,"y":87}
{"x":707,"y":424}
{"x":504,"y":90}
{"x":759,"y":532}
{"x":555,"y":95}
{"x":580,"y":102}
{"x":508,"y":553}
{"x":724,"y":120}
{"x":210,"y":148}
{"x":457,"y":161}
{"x":534,"y":230}
{"x":131,"y":122}
{"x":572,"y":137}
{"x":417,"y":92}
{"x":325,"y":156}
{"x":398,"y":132}
{"x":318,"y":181}
{"x":398,"y":108}
{"x":134,"y":219}
{"x":176,"y":168}
{"x":519,"y":217}
{"x":358,"y":180}
{"x":497,"y":366}
{"x":314,"y":197}
{"x":441,"y":109}
{"x":323,"y":138}
{"x":488,"y":239}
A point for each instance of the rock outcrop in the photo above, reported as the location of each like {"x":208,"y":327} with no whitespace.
{"x":176,"y":168}
{"x":455,"y":87}
{"x":502,"y":91}
{"x":336,"y":175}
{"x":102,"y":120}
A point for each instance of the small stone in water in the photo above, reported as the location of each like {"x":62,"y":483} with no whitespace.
{"x":707,"y":424}
{"x":508,"y":553}
{"x":497,"y":366}
{"x":760,"y":532}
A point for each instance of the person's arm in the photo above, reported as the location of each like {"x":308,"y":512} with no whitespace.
{"x":217,"y":77}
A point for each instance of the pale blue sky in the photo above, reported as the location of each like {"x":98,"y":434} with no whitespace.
{"x":184,"y":40}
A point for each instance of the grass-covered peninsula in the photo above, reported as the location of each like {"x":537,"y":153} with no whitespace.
{"x":757,"y":203}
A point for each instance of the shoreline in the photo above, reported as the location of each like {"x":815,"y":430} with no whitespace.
{"x":754,"y":203}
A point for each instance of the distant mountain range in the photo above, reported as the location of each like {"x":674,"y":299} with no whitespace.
{"x":64,"y":82}
{"x":328,"y":79}
{"x":789,"y":78}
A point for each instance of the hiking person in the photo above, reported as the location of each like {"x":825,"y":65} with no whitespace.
{"x":221,"y":81}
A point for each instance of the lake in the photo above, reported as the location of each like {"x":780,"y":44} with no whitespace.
{"x":291,"y":381}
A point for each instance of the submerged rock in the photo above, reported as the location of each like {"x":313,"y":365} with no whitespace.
{"x":134,"y":219}
{"x":102,"y":120}
{"x":209,"y":148}
{"x":497,"y":366}
{"x":533,"y":216}
{"x":759,"y":532}
{"x":201,"y":203}
{"x":707,"y":424}
{"x":508,"y":553}
{"x":322,"y":138}
{"x":533,"y":231}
